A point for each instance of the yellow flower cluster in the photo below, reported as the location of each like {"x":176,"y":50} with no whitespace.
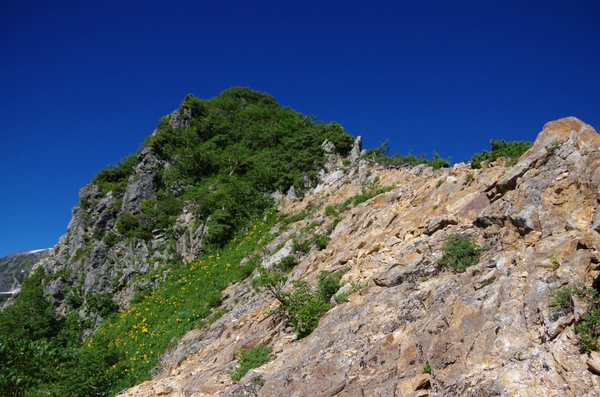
{"x":141,"y":333}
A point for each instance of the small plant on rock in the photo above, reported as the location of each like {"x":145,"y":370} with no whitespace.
{"x":460,"y":252}
{"x":554,"y":260}
{"x":427,"y":368}
{"x":249,"y":359}
{"x":287,"y":263}
{"x":301,"y":246}
{"x":298,"y":300}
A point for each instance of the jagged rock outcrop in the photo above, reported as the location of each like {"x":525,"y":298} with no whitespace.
{"x":356,"y":151}
{"x":85,"y":263}
{"x":142,"y":184}
{"x":419,"y":329}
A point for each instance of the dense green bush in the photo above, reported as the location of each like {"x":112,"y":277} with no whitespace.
{"x":501,"y":148}
{"x":460,"y":251}
{"x":329,"y":284}
{"x":114,"y":177}
{"x":27,"y":354}
{"x":32,"y":316}
{"x":240,"y":146}
{"x":102,"y":304}
{"x":110,"y":239}
{"x":127,"y":224}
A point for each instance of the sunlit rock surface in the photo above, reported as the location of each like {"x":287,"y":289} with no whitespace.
{"x":483,"y":332}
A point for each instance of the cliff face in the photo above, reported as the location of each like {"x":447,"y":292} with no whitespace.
{"x":417,"y":328}
{"x":85,"y":262}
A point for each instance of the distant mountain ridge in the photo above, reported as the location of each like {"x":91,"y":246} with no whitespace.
{"x":15,"y":267}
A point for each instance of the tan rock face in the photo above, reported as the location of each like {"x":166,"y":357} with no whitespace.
{"x":419,"y":329}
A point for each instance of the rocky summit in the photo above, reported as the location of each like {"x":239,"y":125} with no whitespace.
{"x":407,"y":325}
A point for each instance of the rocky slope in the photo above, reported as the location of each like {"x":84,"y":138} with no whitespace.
{"x":418,"y":329}
{"x":178,"y":194}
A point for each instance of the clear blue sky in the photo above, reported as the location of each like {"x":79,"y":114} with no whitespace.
{"x":82,"y":83}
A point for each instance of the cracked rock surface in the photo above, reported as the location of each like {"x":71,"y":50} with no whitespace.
{"x":418,"y":329}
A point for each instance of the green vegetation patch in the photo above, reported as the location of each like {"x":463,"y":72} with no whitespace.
{"x":114,"y":177}
{"x":588,"y":326}
{"x":239,"y":147}
{"x":500,"y":148}
{"x":43,"y":356}
{"x":381,"y":155}
{"x":303,"y":304}
{"x":368,"y":191}
{"x":460,"y":252}
{"x":249,"y":359}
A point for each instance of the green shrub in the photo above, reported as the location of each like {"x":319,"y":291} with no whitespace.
{"x":287,"y":263}
{"x":303,"y":306}
{"x":127,"y":224}
{"x":110,"y":239}
{"x":321,"y":241}
{"x":380,"y":155}
{"x":501,"y":148}
{"x":249,"y":359}
{"x":427,"y":368}
{"x":301,"y":245}
{"x":328,"y":284}
{"x":460,"y":251}
{"x":102,"y":304}
{"x":114,"y":177}
{"x":331,"y":211}
{"x":588,"y":327}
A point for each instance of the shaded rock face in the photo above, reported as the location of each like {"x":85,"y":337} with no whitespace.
{"x":141,"y":184}
{"x":419,"y":329}
{"x":84,"y":264}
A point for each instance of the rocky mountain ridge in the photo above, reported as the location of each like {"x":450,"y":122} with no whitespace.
{"x":111,"y":246}
{"x":417,"y":328}
{"x":15,"y":267}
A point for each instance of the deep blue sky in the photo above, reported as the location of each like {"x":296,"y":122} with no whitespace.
{"x":82,"y":83}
